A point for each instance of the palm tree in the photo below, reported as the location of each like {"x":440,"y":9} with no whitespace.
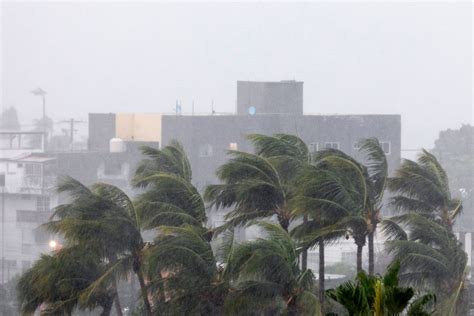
{"x":99,"y":217}
{"x":338,"y":184}
{"x":256,"y":185}
{"x":379,"y":296}
{"x":184,"y":273}
{"x":362,"y":186}
{"x":293,"y":149}
{"x":377,"y":169}
{"x":57,"y":281}
{"x":268,"y":277}
{"x":431,"y":257}
{"x":169,"y":197}
{"x":423,"y":187}
{"x":421,"y":237}
{"x":328,"y":218}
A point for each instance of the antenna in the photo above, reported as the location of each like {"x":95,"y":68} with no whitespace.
{"x":212,"y":107}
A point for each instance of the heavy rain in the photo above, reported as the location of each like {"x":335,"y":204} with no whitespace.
{"x":236,"y":158}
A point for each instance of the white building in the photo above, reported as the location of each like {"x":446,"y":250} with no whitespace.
{"x":27,"y":183}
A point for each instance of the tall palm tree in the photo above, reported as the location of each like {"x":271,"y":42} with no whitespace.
{"x":377,"y":171}
{"x":368,"y":182}
{"x":57,"y":281}
{"x":268,"y":277}
{"x":293,"y":149}
{"x":422,"y":186}
{"x":169,"y":197}
{"x":184,"y":274}
{"x":421,"y":236}
{"x":100,"y":217}
{"x":256,"y":185}
{"x":431,"y":258}
{"x":339,"y":184}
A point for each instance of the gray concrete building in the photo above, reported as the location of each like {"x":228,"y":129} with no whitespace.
{"x":261,"y":107}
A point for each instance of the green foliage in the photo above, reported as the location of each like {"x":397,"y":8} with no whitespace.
{"x":379,"y":295}
{"x":58,"y":280}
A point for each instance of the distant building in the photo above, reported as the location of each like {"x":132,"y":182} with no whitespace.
{"x":27,"y":182}
{"x":262,"y":107}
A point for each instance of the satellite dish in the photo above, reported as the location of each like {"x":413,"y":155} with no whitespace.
{"x":252,"y":110}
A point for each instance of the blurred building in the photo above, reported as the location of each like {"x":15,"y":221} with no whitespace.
{"x":27,"y":182}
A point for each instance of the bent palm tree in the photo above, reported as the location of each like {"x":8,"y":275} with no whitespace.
{"x":57,"y":282}
{"x":422,"y":235}
{"x":257,"y":185}
{"x":169,"y":197}
{"x":99,"y":217}
{"x":431,"y":257}
{"x":269,"y":278}
{"x":184,"y":273}
{"x":423,"y":187}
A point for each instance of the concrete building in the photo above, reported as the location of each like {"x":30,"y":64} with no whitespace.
{"x":27,"y":182}
{"x":261,"y":107}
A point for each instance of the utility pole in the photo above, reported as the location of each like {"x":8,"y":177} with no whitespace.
{"x":2,"y":185}
{"x":71,"y":130}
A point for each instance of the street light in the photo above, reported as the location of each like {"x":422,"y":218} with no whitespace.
{"x":54,"y":245}
{"x":40,"y":92}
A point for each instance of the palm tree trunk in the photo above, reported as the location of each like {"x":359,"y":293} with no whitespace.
{"x":146,"y":301}
{"x":107,"y":308}
{"x":359,"y":257}
{"x":321,"y":275}
{"x":118,"y":307}
{"x":371,"y":252}
{"x":304,"y":255}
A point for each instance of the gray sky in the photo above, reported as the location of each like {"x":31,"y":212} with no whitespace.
{"x":414,"y":59}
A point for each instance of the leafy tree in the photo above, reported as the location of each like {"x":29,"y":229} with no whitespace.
{"x":379,"y":296}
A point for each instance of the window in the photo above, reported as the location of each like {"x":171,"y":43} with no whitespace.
{"x":233,"y":146}
{"x":206,"y":150}
{"x":42,"y":203}
{"x":33,"y":169}
{"x":386,"y":146}
{"x":331,"y":145}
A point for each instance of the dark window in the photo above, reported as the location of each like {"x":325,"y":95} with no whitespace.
{"x":386,"y":146}
{"x":333,"y":145}
{"x":42,"y":203}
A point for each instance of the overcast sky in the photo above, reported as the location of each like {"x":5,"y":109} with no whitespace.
{"x":413,"y":59}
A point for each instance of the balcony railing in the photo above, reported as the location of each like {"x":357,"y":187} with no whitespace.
{"x":36,"y":182}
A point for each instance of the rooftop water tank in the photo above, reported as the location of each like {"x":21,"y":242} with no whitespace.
{"x":117,"y":145}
